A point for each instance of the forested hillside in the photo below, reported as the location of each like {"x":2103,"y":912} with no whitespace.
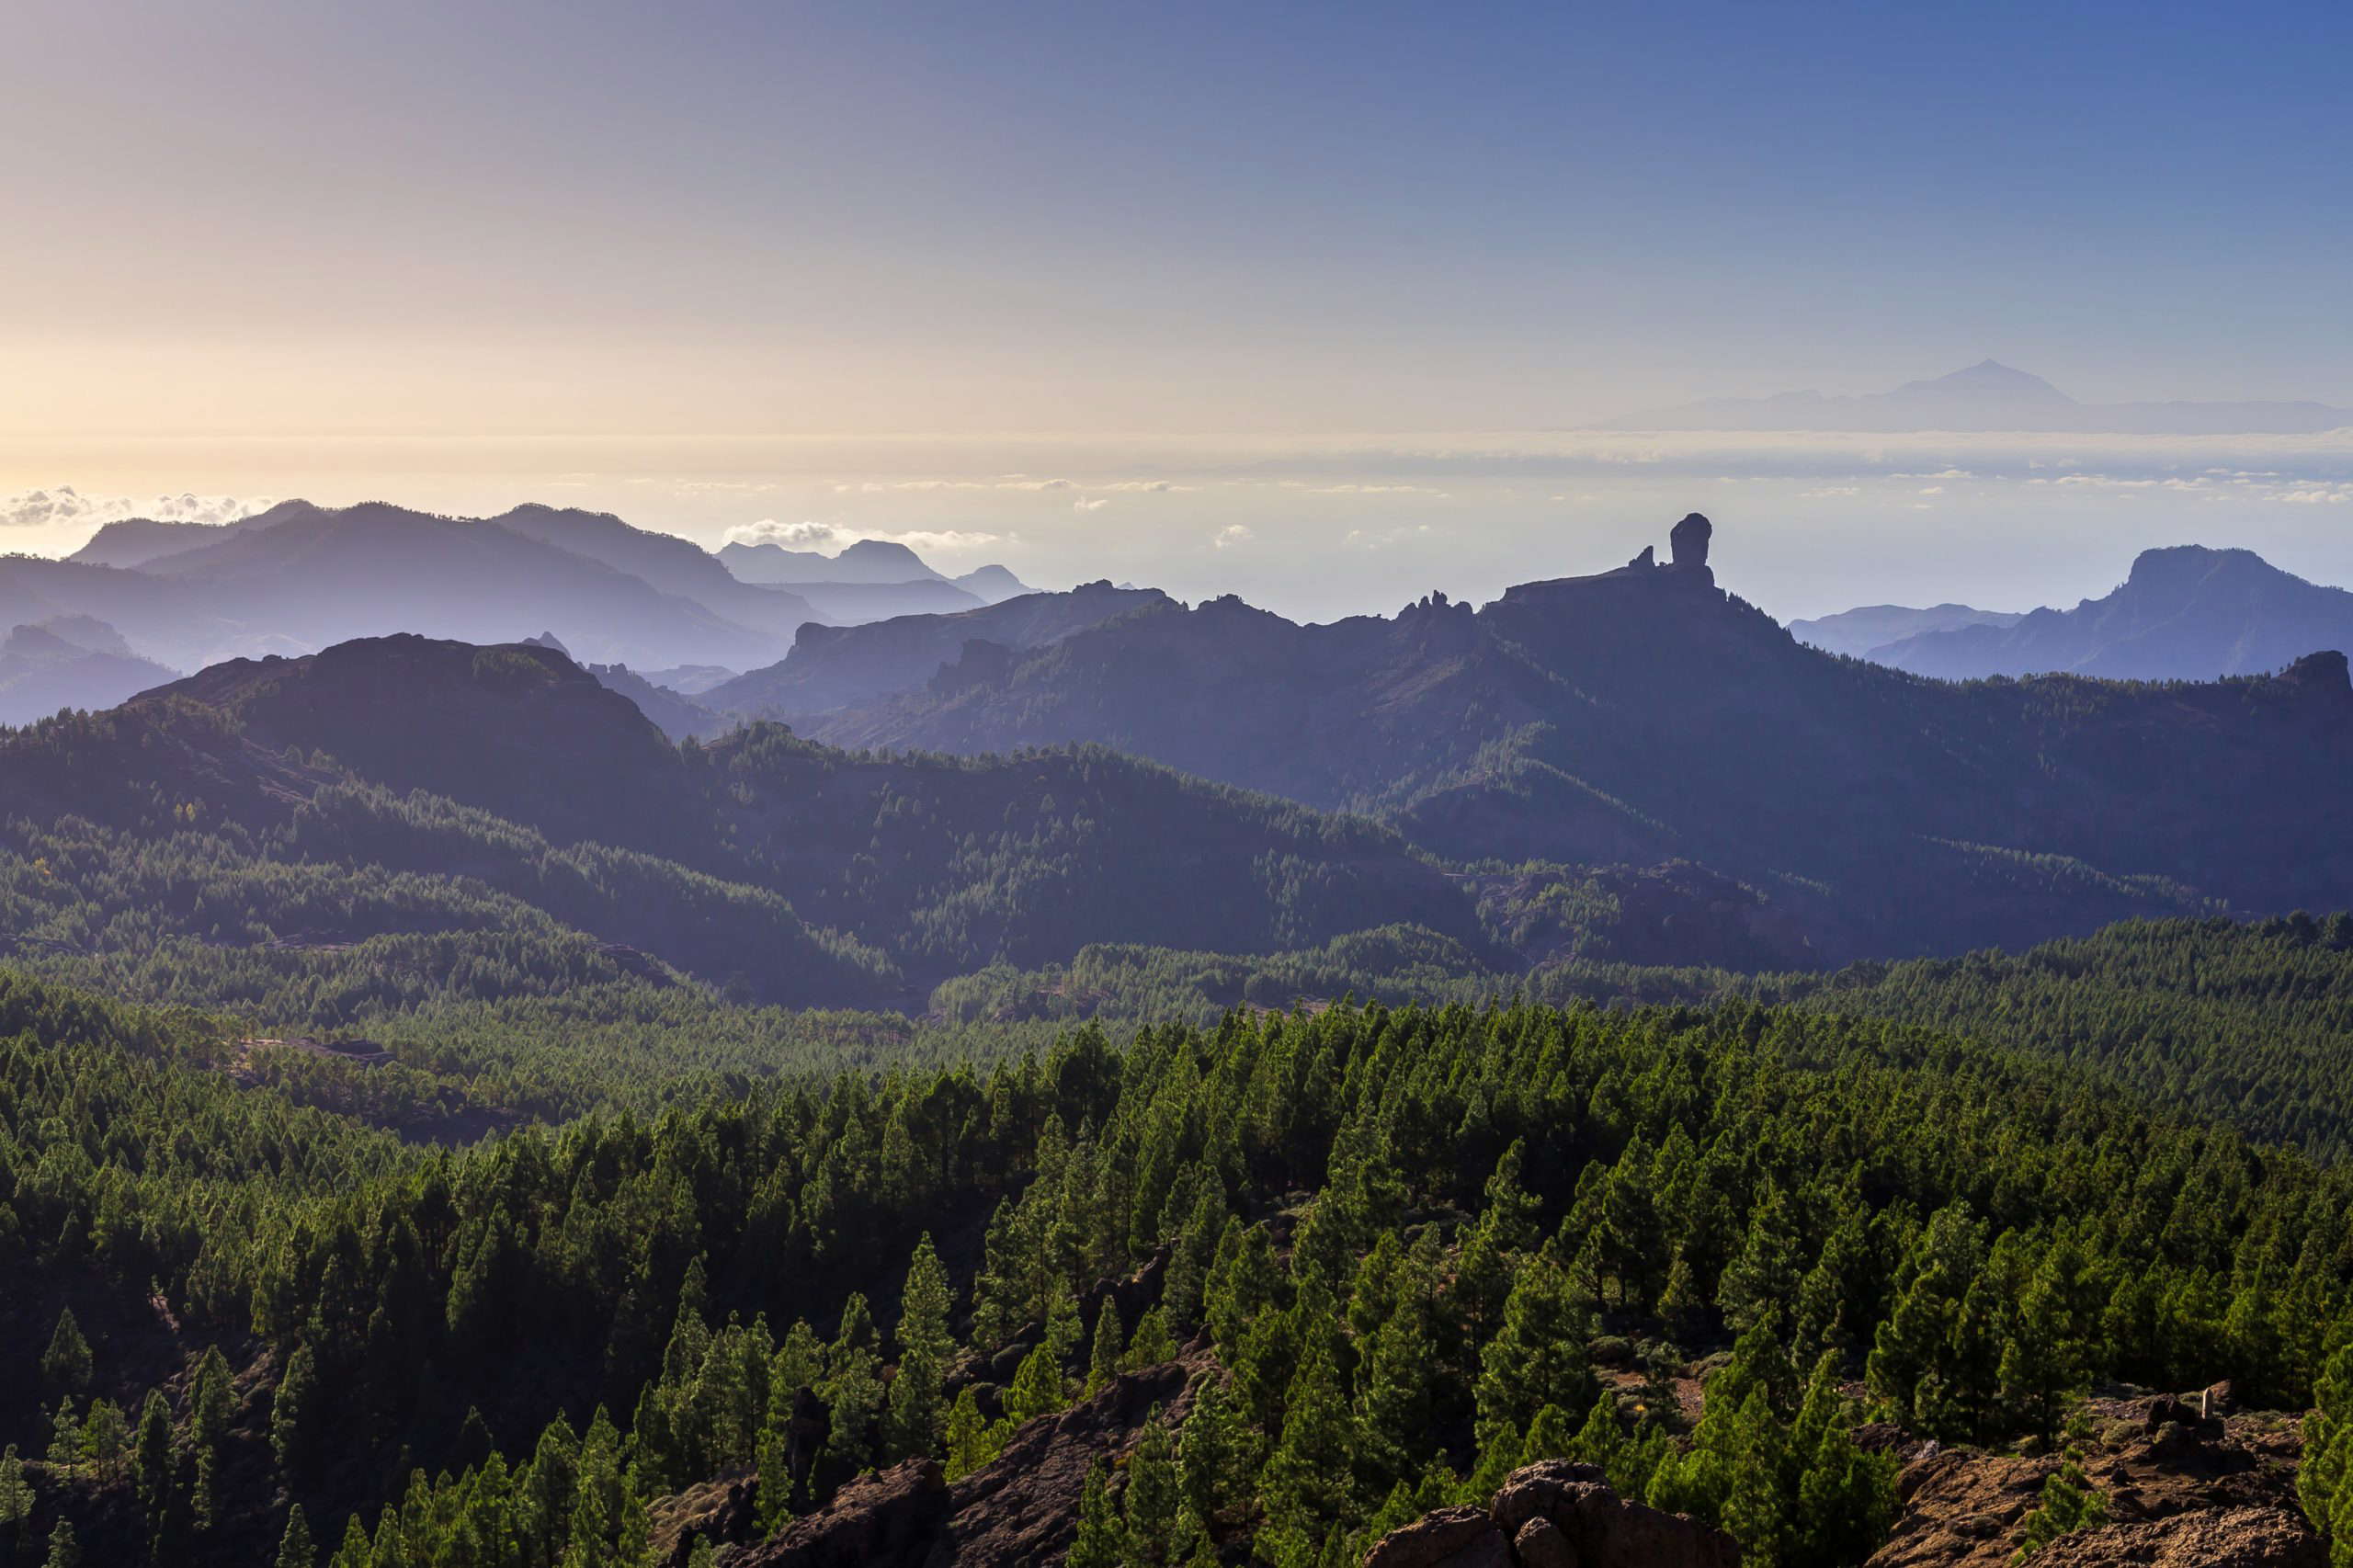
{"x":1412,"y":1248}
{"x":270,"y":816}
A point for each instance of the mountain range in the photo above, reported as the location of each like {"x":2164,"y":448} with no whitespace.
{"x":1986,"y":396}
{"x":1857,"y":632}
{"x":2185,"y":612}
{"x":300,"y":577}
{"x":1645,"y":714}
{"x":869,"y":579}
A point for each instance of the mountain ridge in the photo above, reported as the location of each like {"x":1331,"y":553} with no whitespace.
{"x":2184,"y":612}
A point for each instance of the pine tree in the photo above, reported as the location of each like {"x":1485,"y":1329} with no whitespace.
{"x":64,"y":1550}
{"x":295,"y":1549}
{"x":1103,"y":1360}
{"x":2328,"y":1438}
{"x":1536,"y":1359}
{"x":1309,"y":1484}
{"x":1152,"y":1500}
{"x":2069,"y":1502}
{"x":918,"y":1398}
{"x":1910,"y":1364}
{"x":152,"y":1451}
{"x":354,"y":1551}
{"x":66,"y":1365}
{"x":970,"y":1440}
{"x":1755,"y":1504}
{"x":1037,"y":1387}
{"x":1550,"y":1436}
{"x":1765,"y":1274}
{"x":106,"y":1437}
{"x":294,"y":1411}
{"x":1152,"y":1344}
{"x":1214,"y":1451}
{"x":15,"y":1493}
{"x":1100,"y":1541}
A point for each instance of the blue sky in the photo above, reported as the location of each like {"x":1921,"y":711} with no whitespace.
{"x":276,"y":247}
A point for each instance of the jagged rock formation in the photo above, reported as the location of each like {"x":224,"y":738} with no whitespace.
{"x":2213,"y":1493}
{"x":1557,"y":1513}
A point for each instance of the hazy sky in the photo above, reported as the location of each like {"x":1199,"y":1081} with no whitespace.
{"x":712,"y":264}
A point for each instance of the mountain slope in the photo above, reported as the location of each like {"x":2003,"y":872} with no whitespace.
{"x":135,"y":541}
{"x":854,"y":603}
{"x":2184,"y":613}
{"x":322,"y":576}
{"x":863,"y":561}
{"x":47,"y":667}
{"x":1643,"y":714}
{"x":669,"y":563}
{"x":832,"y":668}
{"x":1857,"y":632}
{"x":513,"y":765}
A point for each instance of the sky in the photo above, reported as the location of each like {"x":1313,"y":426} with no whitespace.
{"x":1304,"y":301}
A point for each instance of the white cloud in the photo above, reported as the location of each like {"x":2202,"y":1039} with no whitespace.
{"x":1085,"y":503}
{"x":63,"y":504}
{"x":792,"y":536}
{"x":834,"y":538}
{"x":2317,"y":495}
{"x":1358,"y":539}
{"x":1932,"y":490}
{"x":1233,"y":534}
{"x":1829,"y":490}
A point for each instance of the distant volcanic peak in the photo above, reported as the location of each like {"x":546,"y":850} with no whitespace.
{"x":1988,"y":396}
{"x":1988,"y":378}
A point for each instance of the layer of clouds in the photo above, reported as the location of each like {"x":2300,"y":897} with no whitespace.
{"x":62,"y":505}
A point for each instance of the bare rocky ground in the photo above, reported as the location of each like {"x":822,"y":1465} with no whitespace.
{"x":2182,"y":1493}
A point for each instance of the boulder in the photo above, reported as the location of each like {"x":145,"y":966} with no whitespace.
{"x":1540,"y":1544}
{"x":1435,"y":1538}
{"x":1557,"y":1513}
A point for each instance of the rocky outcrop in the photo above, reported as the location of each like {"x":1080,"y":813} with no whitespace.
{"x":1023,"y":1505}
{"x":892,"y":1516}
{"x":1554,"y":1515}
{"x":1021,"y":1508}
{"x":2204,"y":1491}
{"x":1687,"y":543}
